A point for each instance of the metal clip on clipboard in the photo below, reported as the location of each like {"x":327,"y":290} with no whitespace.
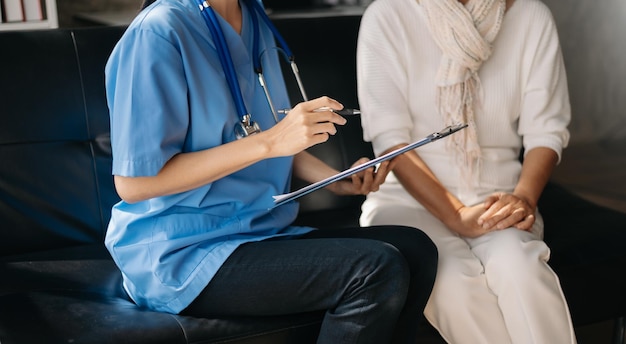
{"x":284,"y":198}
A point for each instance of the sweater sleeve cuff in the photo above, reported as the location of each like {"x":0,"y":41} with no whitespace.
{"x":554,"y":143}
{"x":383,"y":141}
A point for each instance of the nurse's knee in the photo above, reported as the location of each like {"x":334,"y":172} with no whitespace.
{"x":380,"y":274}
{"x":390,"y":261}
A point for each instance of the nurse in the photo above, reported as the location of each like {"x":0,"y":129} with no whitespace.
{"x":195,"y":232}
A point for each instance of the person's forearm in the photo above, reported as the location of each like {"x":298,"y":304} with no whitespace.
{"x":186,"y":171}
{"x":536,"y":171}
{"x":424,"y":186}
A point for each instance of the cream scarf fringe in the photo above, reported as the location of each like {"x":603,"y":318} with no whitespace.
{"x":464,"y":33}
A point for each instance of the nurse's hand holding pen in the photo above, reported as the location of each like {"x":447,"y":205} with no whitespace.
{"x":304,"y":126}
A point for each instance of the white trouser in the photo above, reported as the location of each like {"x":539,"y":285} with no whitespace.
{"x":496,"y":288}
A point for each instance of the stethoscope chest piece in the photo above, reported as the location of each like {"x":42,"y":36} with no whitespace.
{"x":246,"y":127}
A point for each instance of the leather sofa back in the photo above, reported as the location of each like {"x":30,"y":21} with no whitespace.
{"x":56,"y":188}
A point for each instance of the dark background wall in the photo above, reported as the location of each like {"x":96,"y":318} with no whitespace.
{"x":594,"y":45}
{"x":67,"y":9}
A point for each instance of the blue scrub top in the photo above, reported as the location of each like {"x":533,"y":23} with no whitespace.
{"x":167,"y":94}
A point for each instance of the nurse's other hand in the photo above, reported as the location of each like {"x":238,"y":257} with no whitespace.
{"x":304,"y":126}
{"x":364,"y":182}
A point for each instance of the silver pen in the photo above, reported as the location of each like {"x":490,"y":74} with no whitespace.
{"x":342,"y":112}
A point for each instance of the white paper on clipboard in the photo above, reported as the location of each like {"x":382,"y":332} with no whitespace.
{"x":284,"y":198}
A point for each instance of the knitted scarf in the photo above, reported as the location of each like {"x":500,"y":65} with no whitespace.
{"x":464,"y":34}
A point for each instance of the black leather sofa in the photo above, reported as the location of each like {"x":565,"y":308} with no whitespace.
{"x":58,"y":283}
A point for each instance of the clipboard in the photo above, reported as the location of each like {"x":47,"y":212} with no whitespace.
{"x":288,"y":197}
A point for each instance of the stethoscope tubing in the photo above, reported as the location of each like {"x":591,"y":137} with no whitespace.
{"x":224,"y":55}
{"x":285,"y":50}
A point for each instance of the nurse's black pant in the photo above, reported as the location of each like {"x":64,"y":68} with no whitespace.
{"x":373,"y":282}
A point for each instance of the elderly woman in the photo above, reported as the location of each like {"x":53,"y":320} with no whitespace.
{"x":495,"y":65}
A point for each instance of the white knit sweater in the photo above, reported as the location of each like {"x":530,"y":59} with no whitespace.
{"x":523,"y":99}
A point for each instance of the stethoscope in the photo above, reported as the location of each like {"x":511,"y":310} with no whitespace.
{"x":246,"y":126}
